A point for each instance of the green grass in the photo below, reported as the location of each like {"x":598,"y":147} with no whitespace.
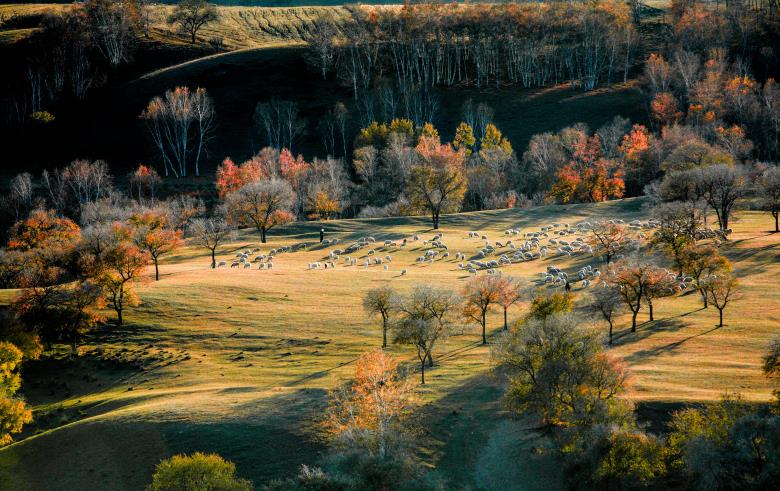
{"x":240,"y":361}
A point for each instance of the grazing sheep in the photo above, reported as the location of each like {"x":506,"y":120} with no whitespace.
{"x":353,"y":262}
{"x":221,"y":263}
{"x":247,"y":265}
{"x":472,"y":271}
{"x":371,"y":252}
{"x":388,"y":258}
{"x":261,"y":266}
{"x":235,"y":265}
{"x":403,"y":272}
{"x":446,"y":254}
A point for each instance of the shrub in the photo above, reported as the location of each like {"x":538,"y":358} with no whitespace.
{"x":197,"y":472}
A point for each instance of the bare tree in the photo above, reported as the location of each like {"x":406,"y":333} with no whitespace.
{"x":721,"y":290}
{"x":426,"y":316}
{"x":20,"y":195}
{"x":722,"y":186}
{"x":280,"y":122}
{"x":192,"y":15}
{"x":608,"y":239}
{"x":479,"y":294}
{"x":607,"y":302}
{"x":210,"y":233}
{"x":770,"y":191}
{"x":180,"y":124}
{"x":381,"y":301}
{"x":112,"y":26}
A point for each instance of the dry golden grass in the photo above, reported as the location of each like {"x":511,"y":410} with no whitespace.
{"x":255,"y":351}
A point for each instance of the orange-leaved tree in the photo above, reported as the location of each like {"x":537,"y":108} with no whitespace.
{"x":152,"y":234}
{"x":437,"y":181}
{"x":589,"y":177}
{"x":371,"y":412}
{"x":262,"y":204}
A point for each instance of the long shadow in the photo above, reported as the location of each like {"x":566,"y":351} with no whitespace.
{"x":664,"y":349}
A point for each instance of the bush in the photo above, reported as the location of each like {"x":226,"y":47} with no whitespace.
{"x":726,"y":446}
{"x":559,"y":371}
{"x":197,"y":472}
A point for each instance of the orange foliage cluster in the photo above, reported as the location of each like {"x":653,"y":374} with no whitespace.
{"x":589,"y":177}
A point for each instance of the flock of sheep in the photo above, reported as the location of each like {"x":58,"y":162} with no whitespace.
{"x":555,"y":239}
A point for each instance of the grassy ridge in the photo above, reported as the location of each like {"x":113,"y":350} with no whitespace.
{"x":240,"y":361}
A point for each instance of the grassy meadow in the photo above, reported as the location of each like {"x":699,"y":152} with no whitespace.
{"x":240,"y":361}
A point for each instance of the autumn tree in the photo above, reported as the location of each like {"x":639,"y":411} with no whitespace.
{"x":509,"y":293}
{"x":589,"y":176}
{"x":122,"y":264}
{"x":191,"y":15}
{"x":279,"y":121}
{"x":43,"y":229}
{"x":464,"y":139}
{"x":232,"y":177}
{"x":608,"y":239}
{"x":151,"y":233}
{"x":370,"y":413}
{"x":262,"y":204}
{"x":632,"y":277}
{"x":180,"y":124}
{"x":382,"y":302}
{"x":607,"y":303}
{"x":425,"y":316}
{"x":770,"y":191}
{"x":721,"y":289}
{"x":479,"y":295}
{"x":211,"y":233}
{"x":142,"y":183}
{"x":557,"y":370}
{"x":660,"y":284}
{"x":678,"y":223}
{"x":702,"y":262}
{"x":14,"y":413}
{"x":437,"y":183}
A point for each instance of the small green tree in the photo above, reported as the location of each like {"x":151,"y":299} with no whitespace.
{"x":197,"y":472}
{"x":559,"y":372}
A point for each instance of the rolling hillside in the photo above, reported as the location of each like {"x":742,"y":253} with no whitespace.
{"x":240,"y":361}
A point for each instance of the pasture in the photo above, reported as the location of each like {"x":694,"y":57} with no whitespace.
{"x":239,"y":361}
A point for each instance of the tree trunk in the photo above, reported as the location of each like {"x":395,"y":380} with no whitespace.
{"x":384,"y":333}
{"x":422,"y":372}
{"x":213,"y":259}
{"x":435,"y":217}
{"x":704,"y":298}
{"x":650,"y":306}
{"x":506,"y":326}
{"x":193,"y":36}
{"x":720,"y":313}
{"x":156,"y":271}
{"x":262,"y":235}
{"x":484,"y":337}
{"x":118,"y":316}
{"x":776,"y":215}
{"x":430,"y":360}
{"x":633,"y":319}
{"x":610,"y":332}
